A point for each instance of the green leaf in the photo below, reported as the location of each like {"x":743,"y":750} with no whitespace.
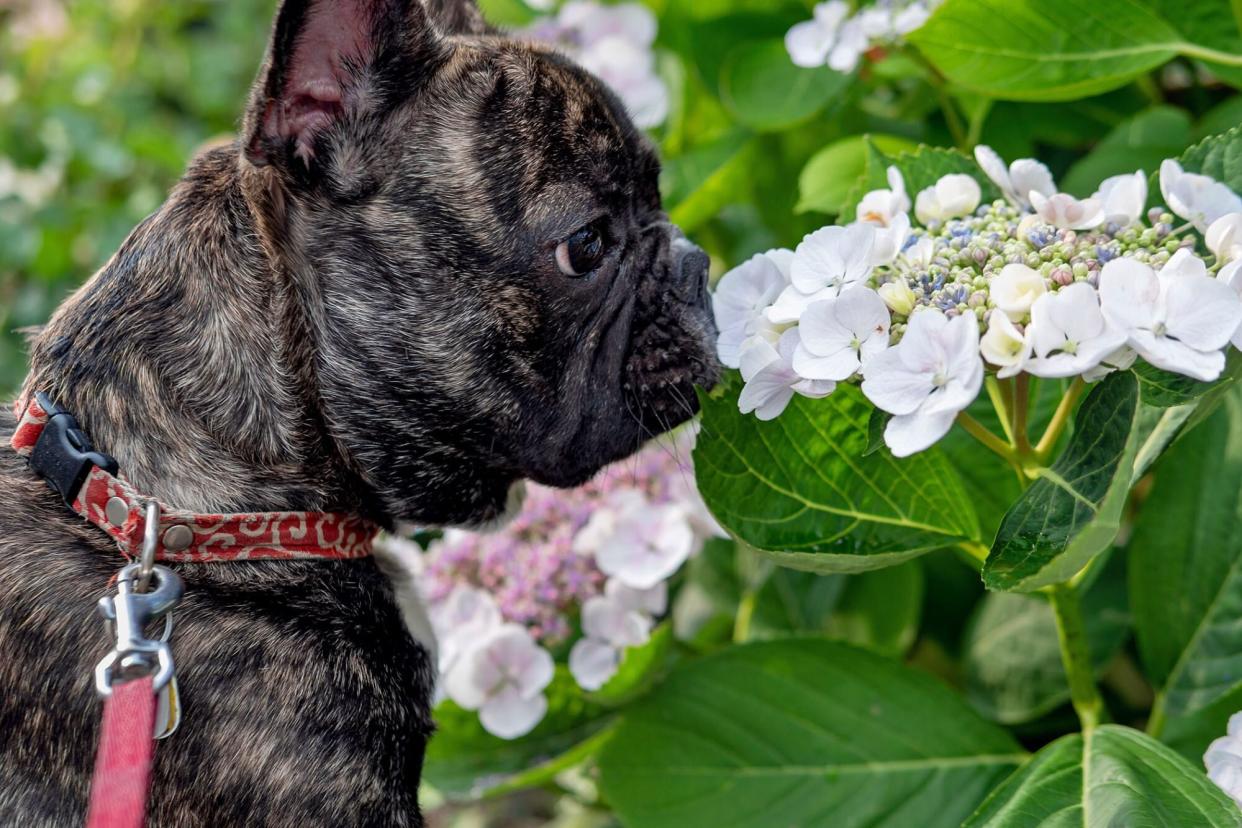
{"x":801,"y":732}
{"x":1045,"y":50}
{"x":699,"y":184}
{"x":799,"y":489}
{"x":919,"y":169}
{"x":1111,"y":777}
{"x":1219,"y":156}
{"x":464,"y":760}
{"x":764,"y":90}
{"x":1012,"y":659}
{"x":1208,"y":23}
{"x":1138,"y":143}
{"x":1186,"y":581}
{"x":1073,"y":511}
{"x":827,"y":179}
{"x":880,"y":610}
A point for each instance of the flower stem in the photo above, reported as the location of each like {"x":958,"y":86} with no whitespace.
{"x":1021,"y":403}
{"x":997,"y":395}
{"x":745,"y":612}
{"x":938,"y":82}
{"x":1192,"y":50}
{"x":1076,"y":655}
{"x":977,"y":430}
{"x":1060,"y":419}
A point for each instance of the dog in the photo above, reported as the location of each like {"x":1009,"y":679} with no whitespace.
{"x":433,"y":265}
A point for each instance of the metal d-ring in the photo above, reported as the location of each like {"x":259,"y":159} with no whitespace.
{"x":150,"y":540}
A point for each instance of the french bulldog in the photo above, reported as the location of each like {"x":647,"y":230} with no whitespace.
{"x":433,"y":265}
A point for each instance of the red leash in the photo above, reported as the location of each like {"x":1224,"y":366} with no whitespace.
{"x":132,"y":675}
{"x":123,"y":763}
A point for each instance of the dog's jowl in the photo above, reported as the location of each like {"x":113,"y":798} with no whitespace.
{"x":433,"y":265}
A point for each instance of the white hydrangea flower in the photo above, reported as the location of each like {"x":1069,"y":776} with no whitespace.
{"x":926,"y":380}
{"x":1223,"y":760}
{"x":462,"y":619}
{"x":1004,"y":345}
{"x":614,"y":42}
{"x":771,"y":380}
{"x":1069,"y":333}
{"x":1224,"y":238}
{"x":886,"y":21}
{"x":811,"y":42}
{"x":1069,"y":213}
{"x":951,"y":197}
{"x":637,"y":543}
{"x":880,"y":207}
{"x":1123,"y":197}
{"x":1015,"y":290}
{"x":825,"y":263}
{"x":1179,"y":319}
{"x":1199,"y":199}
{"x":608,"y":627}
{"x":840,"y":336}
{"x":1231,"y":274}
{"x":503,"y":677}
{"x":739,"y":302}
{"x":1019,"y":179}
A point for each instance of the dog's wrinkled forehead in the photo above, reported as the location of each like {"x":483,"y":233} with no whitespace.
{"x":525,"y":138}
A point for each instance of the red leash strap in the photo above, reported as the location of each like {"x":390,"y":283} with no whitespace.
{"x":123,"y":761}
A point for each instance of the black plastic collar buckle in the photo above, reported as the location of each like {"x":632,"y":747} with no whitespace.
{"x":63,"y":454}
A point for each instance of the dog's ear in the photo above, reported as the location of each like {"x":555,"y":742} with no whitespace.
{"x":458,"y":17}
{"x":330,"y":62}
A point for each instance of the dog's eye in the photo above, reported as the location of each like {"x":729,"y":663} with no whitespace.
{"x":580,"y":253}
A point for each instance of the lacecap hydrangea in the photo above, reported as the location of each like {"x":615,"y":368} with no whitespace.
{"x":581,"y":573}
{"x":918,"y":310}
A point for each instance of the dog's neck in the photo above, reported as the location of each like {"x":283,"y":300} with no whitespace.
{"x":189,"y":358}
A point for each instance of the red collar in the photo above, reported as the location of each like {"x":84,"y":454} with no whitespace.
{"x":108,"y":501}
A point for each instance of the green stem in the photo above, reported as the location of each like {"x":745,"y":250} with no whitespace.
{"x":1060,"y":419}
{"x":977,"y":430}
{"x":951,"y":116}
{"x":1155,"y":724}
{"x":1076,"y":655}
{"x":997,"y":395}
{"x":745,"y":612}
{"x":1021,"y":403}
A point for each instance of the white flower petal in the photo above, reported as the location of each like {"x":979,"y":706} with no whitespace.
{"x":911,"y":433}
{"x":808,"y":44}
{"x":592,"y":663}
{"x":1129,"y":291}
{"x":510,"y":716}
{"x":1015,"y":289}
{"x":1203,"y":312}
{"x":892,"y":387}
{"x":1123,"y":197}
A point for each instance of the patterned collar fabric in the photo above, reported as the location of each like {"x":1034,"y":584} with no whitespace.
{"x":111,"y":503}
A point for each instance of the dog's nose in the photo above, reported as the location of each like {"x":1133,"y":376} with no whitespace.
{"x":691,"y":267}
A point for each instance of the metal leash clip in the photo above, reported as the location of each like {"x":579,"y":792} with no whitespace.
{"x":132,"y":609}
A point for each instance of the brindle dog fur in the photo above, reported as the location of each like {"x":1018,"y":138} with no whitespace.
{"x":357,"y":307}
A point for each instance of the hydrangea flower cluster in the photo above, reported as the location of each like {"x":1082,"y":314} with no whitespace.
{"x":595,"y":559}
{"x":1038,"y":282}
{"x":838,"y":39}
{"x":614,"y":43}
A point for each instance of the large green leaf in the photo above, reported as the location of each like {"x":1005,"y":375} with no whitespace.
{"x":801,"y":732}
{"x":1045,"y":50}
{"x":1012,"y":659}
{"x":1210,"y":23}
{"x":799,"y":489}
{"x":1110,"y":778}
{"x":764,"y":90}
{"x":1138,"y":143}
{"x":1073,"y":511}
{"x":1186,"y":581}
